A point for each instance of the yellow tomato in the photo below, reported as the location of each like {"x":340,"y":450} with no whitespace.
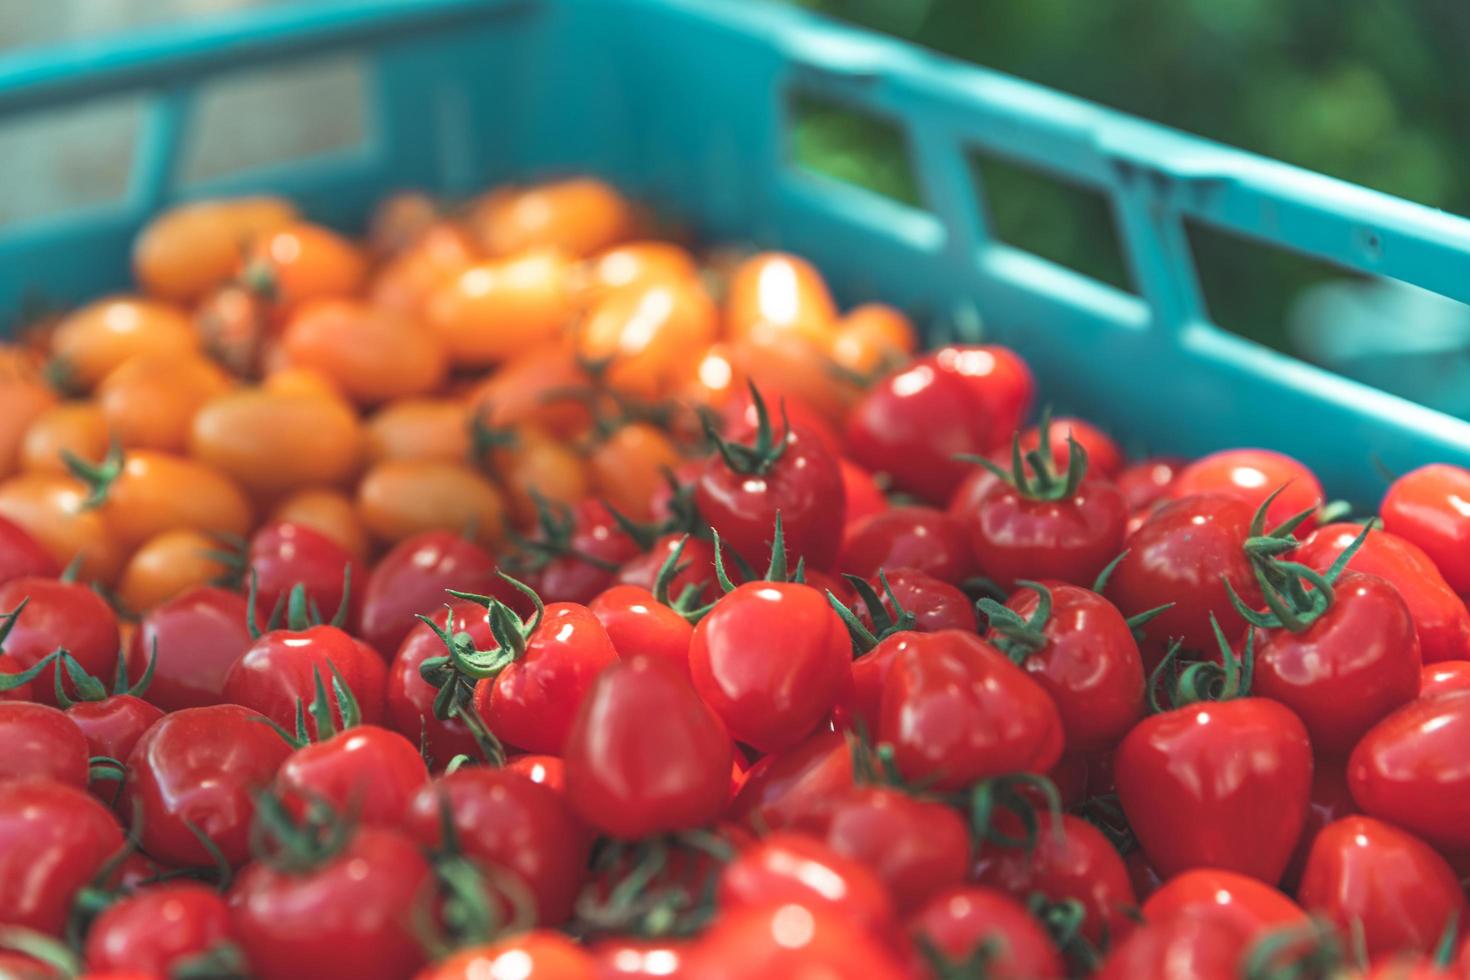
{"x":188,"y":250}
{"x":420,"y":428}
{"x":650,"y":335}
{"x":274,"y":442}
{"x":78,"y":428}
{"x":402,"y":497}
{"x":165,"y":565}
{"x":580,"y":217}
{"x":494,"y":310}
{"x":157,"y":492}
{"x":373,"y":355}
{"x":52,"y":508}
{"x":629,"y":466}
{"x":149,"y":401}
{"x":91,"y":343}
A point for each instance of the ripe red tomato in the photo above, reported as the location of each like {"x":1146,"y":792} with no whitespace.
{"x":531,"y":955}
{"x":1250,"y":476}
{"x":771,"y":659}
{"x":999,"y":380}
{"x":113,"y":725}
{"x":1444,"y":677}
{"x":1363,"y":874}
{"x":503,"y":820}
{"x":59,"y":614}
{"x":1430,"y":507}
{"x":21,"y":556}
{"x":698,"y":571}
{"x":789,"y":940}
{"x":934,"y":604}
{"x":410,"y":698}
{"x":863,"y":495}
{"x":1250,"y":905}
{"x":1083,"y":654}
{"x":636,"y":622}
{"x":634,"y":959}
{"x":576,"y":556}
{"x":412,"y":578}
{"x":1407,"y":770}
{"x":957,"y":711}
{"x":1147,"y":481}
{"x":908,"y":537}
{"x":783,"y":787}
{"x":956,"y":922}
{"x":1104,"y":457}
{"x":353,"y":904}
{"x":281,"y":669}
{"x":199,"y":634}
{"x":41,"y":743}
{"x":368,"y":772}
{"x":1440,"y":617}
{"x":1330,"y":800}
{"x":154,"y":928}
{"x":200,"y":767}
{"x":548,"y":770}
{"x":1217,"y":784}
{"x":787,"y":867}
{"x":283,"y":554}
{"x":1193,"y":945}
{"x":53,"y":840}
{"x":645,"y":755}
{"x":742,"y":413}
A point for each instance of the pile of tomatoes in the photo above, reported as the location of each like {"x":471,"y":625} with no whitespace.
{"x":515,"y":592}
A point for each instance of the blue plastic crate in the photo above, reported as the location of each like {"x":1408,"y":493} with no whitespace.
{"x":687,"y":103}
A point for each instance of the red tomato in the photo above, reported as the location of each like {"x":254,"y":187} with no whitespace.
{"x":113,"y":725}
{"x":41,"y":743}
{"x":1408,"y":769}
{"x":797,"y":942}
{"x":59,"y":614}
{"x":908,"y":537}
{"x":368,"y":772}
{"x":786,"y":786}
{"x":535,"y":955}
{"x":1352,"y":666}
{"x":636,"y":622}
{"x":697,"y":559}
{"x":1251,"y":907}
{"x":998,"y":379}
{"x":916,"y":847}
{"x":934,"y":604}
{"x":1440,"y":617}
{"x":1147,"y":481}
{"x":199,"y":634}
{"x":957,"y":711}
{"x":1430,"y":507}
{"x":200,"y":766}
{"x":955,"y":923}
{"x":1220,"y":784}
{"x":645,"y":755}
{"x":156,"y":927}
{"x":786,"y":867}
{"x":354,"y":902}
{"x":1200,"y":947}
{"x":21,"y":556}
{"x":1184,"y":553}
{"x":742,"y":414}
{"x":548,"y":770}
{"x":1104,"y":457}
{"x":864,"y":496}
{"x":1330,"y":800}
{"x":1250,"y":476}
{"x":1363,"y":874}
{"x":410,"y":698}
{"x":575,"y":559}
{"x":912,"y":424}
{"x":771,"y":659}
{"x":281,"y":670}
{"x":1083,"y":654}
{"x":412,"y":578}
{"x":1076,"y":864}
{"x":1444,"y":677}
{"x":506,"y":821}
{"x":283,"y":554}
{"x":632,"y":959}
{"x":869,"y":675}
{"x":54,"y":839}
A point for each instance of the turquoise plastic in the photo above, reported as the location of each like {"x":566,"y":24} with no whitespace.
{"x":687,"y":104}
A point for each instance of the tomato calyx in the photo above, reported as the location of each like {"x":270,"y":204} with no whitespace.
{"x":90,"y":688}
{"x":46,"y":950}
{"x":686,"y":603}
{"x":1105,"y":812}
{"x":1064,"y":921}
{"x":1018,"y":638}
{"x":1203,"y":680}
{"x":991,"y":801}
{"x":99,"y":477}
{"x":1311,"y":951}
{"x":233,"y":554}
{"x":758,"y":457}
{"x":974,"y":966}
{"x":885,"y":624}
{"x":660,"y":887}
{"x":301,"y":612}
{"x":1034,"y":474}
{"x":555,"y":527}
{"x":320,"y":710}
{"x":298,"y":846}
{"x":777,"y":570}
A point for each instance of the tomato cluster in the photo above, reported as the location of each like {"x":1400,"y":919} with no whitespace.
{"x":510,"y":593}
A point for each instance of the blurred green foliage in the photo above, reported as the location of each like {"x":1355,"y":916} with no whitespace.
{"x":1373,"y":91}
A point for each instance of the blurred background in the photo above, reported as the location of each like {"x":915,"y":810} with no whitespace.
{"x":1373,"y":91}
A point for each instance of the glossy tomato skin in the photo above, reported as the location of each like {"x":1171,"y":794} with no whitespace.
{"x":1193,"y":945}
{"x":1250,"y":476}
{"x":411,"y":578}
{"x":200,"y":766}
{"x":912,"y":423}
{"x":598,"y":546}
{"x":1070,"y":540}
{"x":505,"y":820}
{"x":53,"y":840}
{"x":698,"y":559}
{"x":284,"y":554}
{"x":645,"y":755}
{"x":1251,"y":905}
{"x":59,"y":614}
{"x":998,"y":378}
{"x":1440,"y":617}
{"x":1145,"y":482}
{"x":21,"y":556}
{"x":366,"y":771}
{"x":634,"y":959}
{"x":354,"y":905}
{"x":916,"y":847}
{"x":935,"y":604}
{"x":281,"y":667}
{"x":1104,"y":457}
{"x":958,"y":920}
{"x":199,"y":634}
{"x":1350,"y":668}
{"x":1409,"y":769}
{"x":784,"y":787}
{"x":956,"y":711}
{"x":924,"y":538}
{"x":410,"y":698}
{"x":1184,"y":553}
{"x":1331,"y":800}
{"x":636,"y":622}
{"x":113,"y":725}
{"x":532,"y":703}
{"x":532,"y":955}
{"x":1090,"y":664}
{"x":1426,"y":507}
{"x":156,"y":927}
{"x":864,"y":496}
{"x":1363,"y":873}
{"x":771,"y":659}
{"x":1076,"y":864}
{"x":1217,"y":784}
{"x":1444,"y":677}
{"x":548,"y":770}
{"x":787,"y":867}
{"x":796,"y":941}
{"x":41,"y":742}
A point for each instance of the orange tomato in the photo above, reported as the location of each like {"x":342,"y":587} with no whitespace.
{"x":274,"y":441}
{"x":232,"y":325}
{"x":634,"y":265}
{"x":420,"y":428}
{"x":650,"y":335}
{"x":525,"y":389}
{"x":873,"y":338}
{"x":296,"y":380}
{"x":494,"y":310}
{"x":713,"y":377}
{"x":537,"y":463}
{"x":190,"y":249}
{"x":628,"y":466}
{"x":52,"y":508}
{"x":775,"y":292}
{"x":156,"y":492}
{"x":75,"y":427}
{"x":301,"y":262}
{"x":24,"y":398}
{"x":788,"y":363}
{"x":149,"y":401}
{"x":331,"y":512}
{"x":434,"y":260}
{"x":165,"y":565}
{"x":90,"y":344}
{"x":399,"y":498}
{"x":373,"y":355}
{"x":578,"y":216}
{"x":399,"y":220}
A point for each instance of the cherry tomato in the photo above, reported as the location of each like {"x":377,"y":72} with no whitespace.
{"x":402,"y":498}
{"x":1189,"y":944}
{"x":21,"y":556}
{"x":78,"y":428}
{"x":1445,"y":677}
{"x":1104,"y":457}
{"x":1331,"y":800}
{"x":771,"y":659}
{"x":410,"y":698}
{"x":575,"y":554}
{"x":1407,"y":769}
{"x":908,"y":537}
{"x":784,"y":787}
{"x":283,"y":555}
{"x":634,"y":264}
{"x":645,"y":755}
{"x":88,"y":344}
{"x":526,"y":387}
{"x":167,"y":564}
{"x":412,"y":578}
{"x":1427,"y":507}
{"x":370,"y":354}
{"x":200,"y":767}
{"x":580,"y":215}
{"x":534,"y":955}
{"x":355,"y":902}
{"x":368,"y":772}
{"x":328,"y":512}
{"x":775,"y":292}
{"x":420,"y":428}
{"x":59,"y":614}
{"x":150,"y":400}
{"x":112,"y":726}
{"x":157,"y":492}
{"x":1251,"y":907}
{"x":495,"y":309}
{"x":190,"y":248}
{"x":956,"y":711}
{"x":649,"y":335}
{"x":548,"y":770}
{"x":282,"y":667}
{"x":636,"y":622}
{"x":508,"y":822}
{"x":300,"y":262}
{"x":697,"y":557}
{"x":935,"y":604}
{"x":802,"y":942}
{"x":52,"y":510}
{"x":872,"y":338}
{"x":405,"y":281}
{"x":787,"y":867}
{"x":999,"y":380}
{"x":959,"y":920}
{"x":1375,"y":881}
{"x":1250,"y":476}
{"x":232,"y":323}
{"x":537,"y":464}
{"x":742,"y":414}
{"x":1147,"y":481}
{"x":627,"y":468}
{"x":24,"y":396}
{"x":157,"y":927}
{"x":1217,"y":784}
{"x":864,"y":496}
{"x":198,"y":634}
{"x":273,"y":441}
{"x":633,"y":959}
{"x":54,"y":839}
{"x":41,"y":743}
